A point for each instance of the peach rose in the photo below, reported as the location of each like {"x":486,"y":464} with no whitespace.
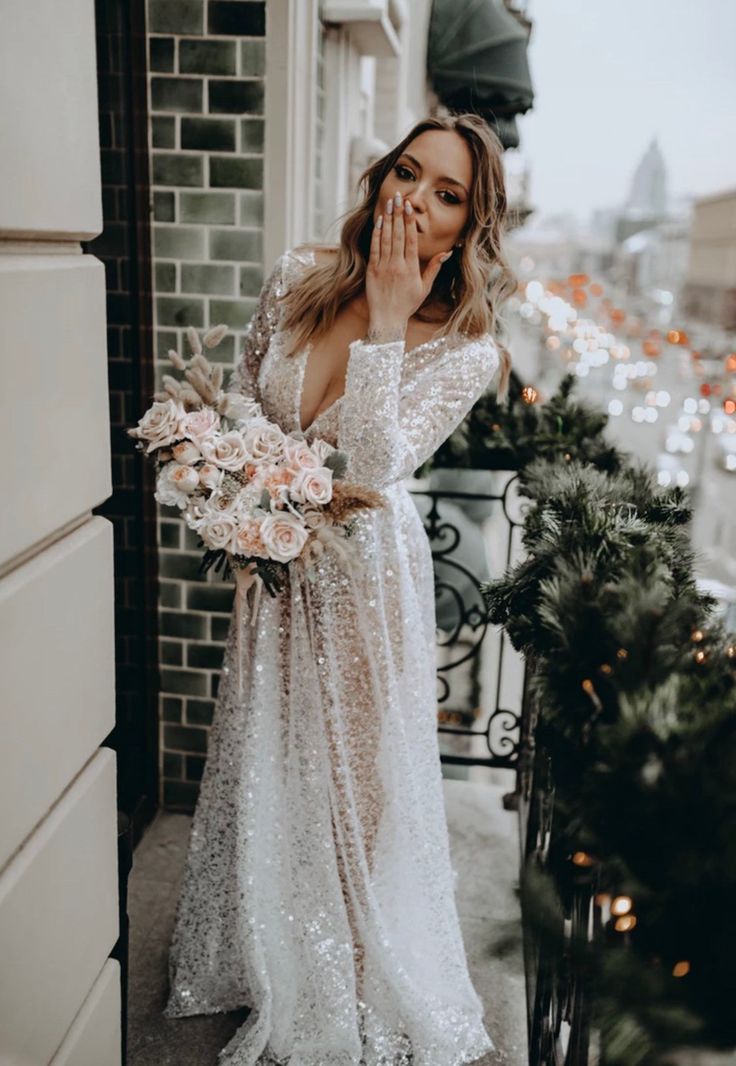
{"x":299,"y":456}
{"x":226,"y":451}
{"x":210,"y":476}
{"x":247,"y":539}
{"x":283,"y":535}
{"x":161,"y":424}
{"x":186,"y":453}
{"x":313,"y":486}
{"x":198,"y":425}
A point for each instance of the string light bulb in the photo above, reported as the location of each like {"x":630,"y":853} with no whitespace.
{"x":625,"y":923}
{"x":681,"y":969}
{"x":621,"y":905}
{"x":581,"y":858}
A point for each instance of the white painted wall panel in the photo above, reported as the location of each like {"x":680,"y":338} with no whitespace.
{"x":58,"y":673}
{"x":94,"y":1036}
{"x":50,"y":174}
{"x":58,"y":916}
{"x":54,"y":418}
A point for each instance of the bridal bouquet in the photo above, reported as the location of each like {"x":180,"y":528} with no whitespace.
{"x":260,"y":499}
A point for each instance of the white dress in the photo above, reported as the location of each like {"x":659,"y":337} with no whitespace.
{"x":318,"y":887}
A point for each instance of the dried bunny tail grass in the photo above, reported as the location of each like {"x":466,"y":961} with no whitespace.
{"x":194,"y":342}
{"x":201,"y":383}
{"x":348,"y":498}
{"x":213,"y":336}
{"x":176,"y":359}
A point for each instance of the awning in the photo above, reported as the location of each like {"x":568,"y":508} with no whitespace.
{"x":477,"y":61}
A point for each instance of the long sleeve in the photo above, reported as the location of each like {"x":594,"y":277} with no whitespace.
{"x":388,"y":432}
{"x":244,"y":377}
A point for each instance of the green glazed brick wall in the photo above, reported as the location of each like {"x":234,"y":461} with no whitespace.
{"x":206,"y":91}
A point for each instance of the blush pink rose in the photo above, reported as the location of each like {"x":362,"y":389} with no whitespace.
{"x":283,"y":535}
{"x":313,"y":486}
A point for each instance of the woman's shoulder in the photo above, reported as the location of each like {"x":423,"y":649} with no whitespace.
{"x":321,"y":254}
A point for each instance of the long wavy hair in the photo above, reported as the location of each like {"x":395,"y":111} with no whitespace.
{"x":470,"y":286}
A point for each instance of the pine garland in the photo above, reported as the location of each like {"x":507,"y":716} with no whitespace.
{"x":634,"y":689}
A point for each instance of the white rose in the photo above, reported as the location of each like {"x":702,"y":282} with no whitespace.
{"x":299,"y":456}
{"x":186,"y":453}
{"x":161,"y":424}
{"x":283,"y":535}
{"x":217,"y":528}
{"x":170,"y":492}
{"x":198,"y":425}
{"x":322,"y":448}
{"x":313,"y":486}
{"x":226,"y":450}
{"x":210,"y":476}
{"x":237,"y":407}
{"x":263,"y":440}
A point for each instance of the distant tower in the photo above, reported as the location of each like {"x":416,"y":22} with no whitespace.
{"x":648,"y":194}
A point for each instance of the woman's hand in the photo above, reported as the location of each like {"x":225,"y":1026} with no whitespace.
{"x":394,"y":284}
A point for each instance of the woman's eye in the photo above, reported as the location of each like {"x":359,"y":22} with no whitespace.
{"x":454,"y":199}
{"x":405,"y":170}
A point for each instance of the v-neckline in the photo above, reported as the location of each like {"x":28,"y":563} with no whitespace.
{"x":304,"y":356}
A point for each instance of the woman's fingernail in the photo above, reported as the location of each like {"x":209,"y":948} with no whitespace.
{"x":389,"y":207}
{"x":397,"y":198}
{"x":408,"y":208}
{"x":379,"y":222}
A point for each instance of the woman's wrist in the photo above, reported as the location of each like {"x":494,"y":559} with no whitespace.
{"x":380,"y":332}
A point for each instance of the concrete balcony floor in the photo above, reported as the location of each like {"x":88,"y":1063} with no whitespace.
{"x":483,"y":840}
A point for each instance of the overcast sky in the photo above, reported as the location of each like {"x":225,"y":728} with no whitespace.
{"x":609,"y":75}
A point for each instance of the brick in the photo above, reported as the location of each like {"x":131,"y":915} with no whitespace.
{"x":220,"y":628}
{"x":181,"y":566}
{"x":171,"y":708}
{"x":251,"y":208}
{"x":235,"y":173}
{"x":207,"y":207}
{"x":164,"y":207}
{"x":205,"y":656}
{"x":195,"y":767}
{"x":199,"y":712}
{"x":251,"y":280}
{"x":236,"y":313}
{"x":184,"y":682}
{"x":203,"y":597}
{"x":165,"y":339}
{"x":161,"y":54}
{"x":185,"y":738}
{"x":112,"y":166}
{"x":165,"y":281}
{"x":171,"y":653}
{"x":175,"y":16}
{"x":237,"y":18}
{"x":177,"y":624}
{"x":177,"y":169}
{"x":251,"y":135}
{"x":214,"y":684}
{"x":169,"y":594}
{"x":208,"y":278}
{"x":163,"y":131}
{"x":207,"y":57}
{"x":208,"y":134}
{"x":169,"y":533}
{"x":179,"y":311}
{"x":235,"y":97}
{"x":173,"y":765}
{"x":240,"y":245}
{"x":178,"y":242}
{"x":192,"y":540}
{"x":180,"y":795}
{"x":252,"y":58}
{"x":176,"y":94}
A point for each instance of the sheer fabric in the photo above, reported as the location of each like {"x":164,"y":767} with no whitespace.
{"x":318,"y":886}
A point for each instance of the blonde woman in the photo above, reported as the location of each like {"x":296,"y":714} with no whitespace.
{"x":318,"y":890}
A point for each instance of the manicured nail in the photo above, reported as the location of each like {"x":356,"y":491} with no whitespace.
{"x":408,"y":208}
{"x":397,"y":198}
{"x":379,"y":223}
{"x":390,"y":207}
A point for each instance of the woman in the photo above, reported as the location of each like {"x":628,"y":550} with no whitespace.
{"x":318,"y":888}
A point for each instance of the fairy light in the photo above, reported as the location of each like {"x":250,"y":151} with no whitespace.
{"x":625,"y":923}
{"x":606,"y":669}
{"x":700,"y":656}
{"x":697,"y":635}
{"x":622,"y":654}
{"x":581,"y":858}
{"x":621,"y":905}
{"x":529,"y":394}
{"x":681,"y":969}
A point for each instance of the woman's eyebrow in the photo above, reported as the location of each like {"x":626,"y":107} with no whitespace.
{"x":449,"y":181}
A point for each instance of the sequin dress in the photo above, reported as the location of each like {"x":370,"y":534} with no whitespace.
{"x":318,"y":887}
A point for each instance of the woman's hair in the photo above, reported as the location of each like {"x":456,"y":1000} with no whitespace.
{"x":473,"y":282}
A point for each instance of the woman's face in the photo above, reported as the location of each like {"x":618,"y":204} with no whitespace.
{"x":434,"y":173}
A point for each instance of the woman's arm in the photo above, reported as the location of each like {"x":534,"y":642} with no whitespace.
{"x":258,"y":333}
{"x":388,"y":433}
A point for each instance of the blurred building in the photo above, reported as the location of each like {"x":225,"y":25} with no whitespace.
{"x":710,"y":284}
{"x":646,"y":204}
